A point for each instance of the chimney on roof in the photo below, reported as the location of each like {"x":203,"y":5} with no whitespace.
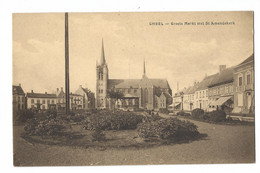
{"x":32,"y":91}
{"x":45,"y":92}
{"x":61,"y":88}
{"x":57,"y":89}
{"x":221,"y":68}
{"x":20,"y":85}
{"x":80,"y":86}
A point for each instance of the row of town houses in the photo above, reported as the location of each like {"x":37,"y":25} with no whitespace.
{"x":83,"y":98}
{"x":231,"y":90}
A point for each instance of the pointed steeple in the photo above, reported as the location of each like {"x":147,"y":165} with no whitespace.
{"x":144,"y":66}
{"x":144,"y":74}
{"x":102,"y":58}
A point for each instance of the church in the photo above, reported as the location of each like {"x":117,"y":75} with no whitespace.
{"x":144,"y":93}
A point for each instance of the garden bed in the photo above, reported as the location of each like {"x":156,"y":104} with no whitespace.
{"x":106,"y":129}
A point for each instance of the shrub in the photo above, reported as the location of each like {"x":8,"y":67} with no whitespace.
{"x":24,"y":115}
{"x":197,"y":113}
{"x":164,"y":110}
{"x":217,"y":116}
{"x":52,"y":112}
{"x":170,"y":128}
{"x":106,"y":120}
{"x":184,"y":114}
{"x":47,"y":125}
{"x":181,"y":113}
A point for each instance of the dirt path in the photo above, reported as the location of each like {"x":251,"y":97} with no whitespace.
{"x":224,"y":144}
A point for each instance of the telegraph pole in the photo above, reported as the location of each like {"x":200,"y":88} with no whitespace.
{"x":67,"y":82}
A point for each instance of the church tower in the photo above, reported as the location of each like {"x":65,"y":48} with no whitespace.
{"x":101,"y":80}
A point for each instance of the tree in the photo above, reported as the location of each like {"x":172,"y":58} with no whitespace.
{"x":114,"y":96}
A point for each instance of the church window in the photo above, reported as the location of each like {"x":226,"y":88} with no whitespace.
{"x":145,"y":95}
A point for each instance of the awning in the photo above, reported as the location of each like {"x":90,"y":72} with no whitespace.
{"x":221,"y":101}
{"x":176,"y":104}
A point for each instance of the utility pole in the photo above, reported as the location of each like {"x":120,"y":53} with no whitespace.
{"x":67,"y":82}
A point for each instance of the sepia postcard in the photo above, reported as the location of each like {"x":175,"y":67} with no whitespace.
{"x":133,"y":88}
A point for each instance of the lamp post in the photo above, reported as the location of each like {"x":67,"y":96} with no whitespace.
{"x":182,"y":101}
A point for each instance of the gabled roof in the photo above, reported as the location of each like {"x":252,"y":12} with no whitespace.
{"x":206,"y":82}
{"x":88,"y":92}
{"x":226,"y":76}
{"x":167,"y":95}
{"x":251,"y":58}
{"x":160,"y":83}
{"x":134,"y":83}
{"x":192,"y":89}
{"x":17,"y":90}
{"x":41,"y":95}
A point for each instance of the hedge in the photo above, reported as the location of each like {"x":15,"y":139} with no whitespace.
{"x":47,"y":125}
{"x":107,"y":120}
{"x":197,"y":113}
{"x":170,"y":128}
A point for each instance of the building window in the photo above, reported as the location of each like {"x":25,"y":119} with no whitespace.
{"x":18,"y":99}
{"x":48,"y":101}
{"x":101,"y":91}
{"x":226,"y":89}
{"x":43,"y":101}
{"x":240,"y":81}
{"x":32,"y":101}
{"x":22,"y":99}
{"x":135,"y":90}
{"x":248,"y":79}
{"x":52,"y":101}
{"x":43,"y":106}
{"x":38,"y":101}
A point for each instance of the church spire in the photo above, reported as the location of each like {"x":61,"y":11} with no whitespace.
{"x":144,"y":74}
{"x":144,"y":66}
{"x":102,"y":58}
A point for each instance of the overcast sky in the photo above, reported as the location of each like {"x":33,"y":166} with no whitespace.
{"x":179,"y":53}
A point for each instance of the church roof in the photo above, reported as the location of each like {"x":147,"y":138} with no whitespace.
{"x":134,"y":83}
